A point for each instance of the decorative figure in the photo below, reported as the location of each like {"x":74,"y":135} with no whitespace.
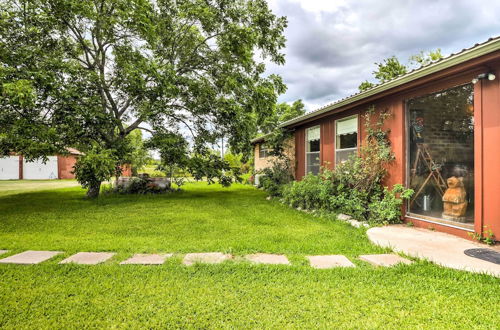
{"x":454,"y":200}
{"x":418,"y":129}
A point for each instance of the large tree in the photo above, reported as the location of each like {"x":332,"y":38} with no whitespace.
{"x":88,"y":73}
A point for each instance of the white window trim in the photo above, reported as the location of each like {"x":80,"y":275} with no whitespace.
{"x":306,"y":144}
{"x":335,"y":135}
{"x":264,"y":150}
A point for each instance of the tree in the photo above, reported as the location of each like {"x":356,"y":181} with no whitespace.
{"x":285,"y":112}
{"x":138,"y":156}
{"x":391,"y":67}
{"x":93,"y":168}
{"x":281,"y":113}
{"x":89,"y":73}
{"x":173,"y":150}
{"x":365,"y":85}
{"x":425,"y":58}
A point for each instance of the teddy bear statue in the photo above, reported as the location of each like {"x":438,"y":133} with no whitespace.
{"x":455,"y":200}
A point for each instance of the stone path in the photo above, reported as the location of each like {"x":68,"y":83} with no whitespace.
{"x":265,"y":258}
{"x":384,"y":260}
{"x":94,"y":258}
{"x":3,"y":251}
{"x":88,"y":258}
{"x":147,"y":259}
{"x":29,"y":257}
{"x":331,"y":261}
{"x":443,"y":249}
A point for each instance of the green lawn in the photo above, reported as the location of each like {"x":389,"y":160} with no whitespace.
{"x":209,"y":218}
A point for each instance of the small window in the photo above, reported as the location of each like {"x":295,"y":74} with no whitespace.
{"x":346,"y":138}
{"x":263,"y":150}
{"x":312,"y":150}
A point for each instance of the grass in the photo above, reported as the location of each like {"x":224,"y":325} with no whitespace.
{"x":210,"y":218}
{"x":201,"y":218}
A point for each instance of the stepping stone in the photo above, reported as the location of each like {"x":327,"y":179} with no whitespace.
{"x":30,"y":257}
{"x":207,"y":258}
{"x":264,"y":258}
{"x":384,"y":260}
{"x":3,"y":251}
{"x":331,"y":261}
{"x":146,"y":259}
{"x":88,"y":258}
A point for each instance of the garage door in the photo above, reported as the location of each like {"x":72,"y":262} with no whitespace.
{"x":9,"y":168}
{"x":37,"y":170}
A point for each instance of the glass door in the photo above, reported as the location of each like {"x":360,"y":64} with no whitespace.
{"x":441,"y":154}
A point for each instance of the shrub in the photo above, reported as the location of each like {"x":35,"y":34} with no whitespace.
{"x":388,"y":209}
{"x":276,"y":177}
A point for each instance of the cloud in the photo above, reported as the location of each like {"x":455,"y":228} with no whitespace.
{"x":332,"y":45}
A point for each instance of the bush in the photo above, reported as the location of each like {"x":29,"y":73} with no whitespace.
{"x":276,"y":177}
{"x":388,"y":209}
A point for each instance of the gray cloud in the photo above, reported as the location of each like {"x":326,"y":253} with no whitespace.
{"x":329,"y":52}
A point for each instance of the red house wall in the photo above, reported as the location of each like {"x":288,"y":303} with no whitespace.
{"x":65,"y":166}
{"x":486,"y":136}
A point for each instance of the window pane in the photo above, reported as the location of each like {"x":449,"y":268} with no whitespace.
{"x":441,"y":162}
{"x":343,"y":155}
{"x":347,"y":141}
{"x":312,"y":161}
{"x":313,"y":146}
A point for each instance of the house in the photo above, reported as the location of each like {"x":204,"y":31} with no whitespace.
{"x":444,"y":131}
{"x":15,"y":167}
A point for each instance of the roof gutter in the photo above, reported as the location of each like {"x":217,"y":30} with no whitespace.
{"x":452,"y":60}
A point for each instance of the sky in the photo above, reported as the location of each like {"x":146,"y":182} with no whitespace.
{"x":332,"y":45}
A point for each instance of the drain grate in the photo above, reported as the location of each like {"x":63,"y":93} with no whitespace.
{"x":484,"y":254}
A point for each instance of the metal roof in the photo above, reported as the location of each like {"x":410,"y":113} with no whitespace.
{"x":466,"y":54}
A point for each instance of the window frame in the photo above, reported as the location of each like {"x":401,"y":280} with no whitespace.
{"x":306,"y":153}
{"x":335,"y":136}
{"x":263,"y":150}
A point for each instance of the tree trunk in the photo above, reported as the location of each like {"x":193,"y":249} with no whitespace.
{"x":94,"y":189}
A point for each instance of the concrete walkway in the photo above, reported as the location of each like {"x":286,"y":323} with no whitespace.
{"x":443,"y":249}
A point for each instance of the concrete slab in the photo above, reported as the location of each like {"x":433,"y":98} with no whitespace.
{"x":441,"y":248}
{"x":3,"y":251}
{"x":146,"y":259}
{"x":265,"y":258}
{"x":207,"y":258}
{"x":329,"y":261}
{"x":384,"y":260}
{"x":30,"y":257}
{"x":88,"y":258}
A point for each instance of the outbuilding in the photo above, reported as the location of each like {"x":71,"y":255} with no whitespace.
{"x":444,"y":131}
{"x":16,"y":167}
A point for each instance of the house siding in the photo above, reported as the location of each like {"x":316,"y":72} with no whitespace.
{"x":262,"y":163}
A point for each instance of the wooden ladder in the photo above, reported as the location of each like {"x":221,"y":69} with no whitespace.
{"x":434,"y":176}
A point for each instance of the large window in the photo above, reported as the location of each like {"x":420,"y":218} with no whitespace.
{"x":346,"y":138}
{"x":441,"y":154}
{"x":312,"y":150}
